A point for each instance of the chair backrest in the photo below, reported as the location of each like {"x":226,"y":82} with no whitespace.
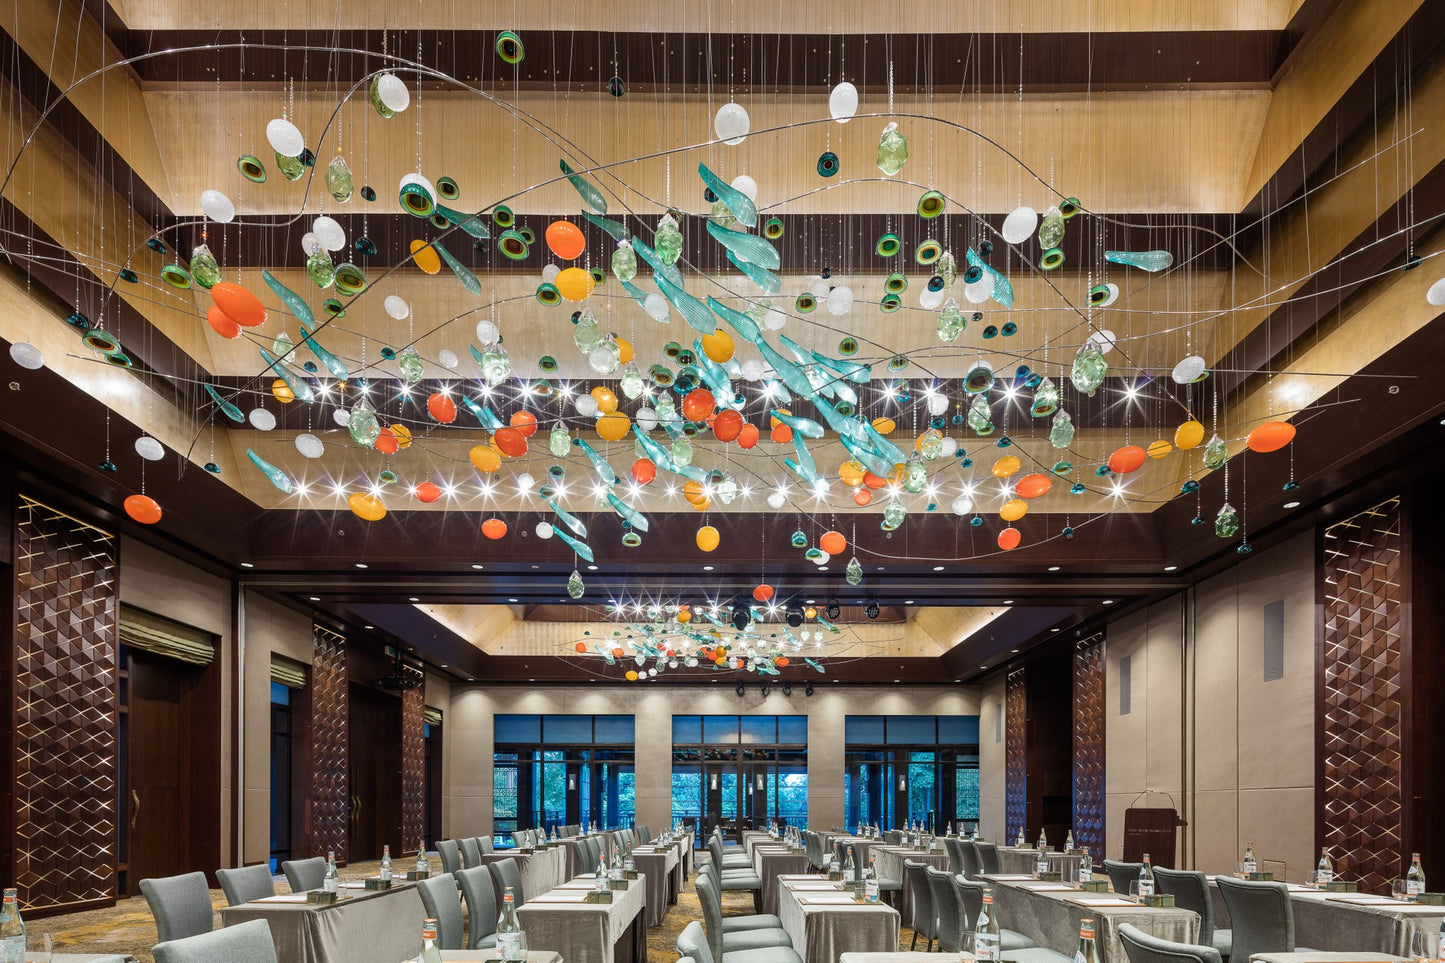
{"x":486,"y":844}
{"x":968,"y":853}
{"x":692,"y":941}
{"x":305,"y":874}
{"x":955,"y":854}
{"x":893,"y":837}
{"x":969,"y":893}
{"x":480,"y":894}
{"x":506,"y":872}
{"x":248,"y":883}
{"x":707,"y":895}
{"x":1191,"y":891}
{"x":945,"y":910}
{"x":1141,"y":947}
{"x":644,"y":834}
{"x":1260,"y":915}
{"x":471,"y":852}
{"x":180,"y":904}
{"x":988,"y":858}
{"x":248,"y":942}
{"x":1122,"y":874}
{"x":439,"y":896}
{"x":915,"y":878}
{"x":451,"y":855}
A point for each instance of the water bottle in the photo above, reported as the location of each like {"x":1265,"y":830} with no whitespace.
{"x":986,"y":936}
{"x":429,"y":951}
{"x":1086,"y":867}
{"x":331,"y":882}
{"x":1146,"y":878}
{"x":385,"y":871}
{"x":870,"y":881}
{"x":12,"y":930}
{"x":509,"y":931}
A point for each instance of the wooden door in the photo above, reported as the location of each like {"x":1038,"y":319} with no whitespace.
{"x":374,"y":773}
{"x":158,"y":769}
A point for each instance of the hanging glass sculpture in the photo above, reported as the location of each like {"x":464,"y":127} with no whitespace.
{"x":1061,"y":433}
{"x":1226,"y":523}
{"x":575,"y":586}
{"x":362,"y":425}
{"x":204,"y":269}
{"x":338,"y":179}
{"x":682,"y":451}
{"x":1089,"y":368}
{"x":409,"y":363}
{"x":668,"y":240}
{"x":854,"y":571}
{"x":496,"y":364}
{"x":585,"y":333}
{"x":1144,"y":260}
{"x":893,"y":515}
{"x":979,"y":416}
{"x":631,"y":382}
{"x":283,"y":348}
{"x":320,"y":268}
{"x":1046,"y":399}
{"x":558,"y":441}
{"x":624,"y":261}
{"x":892,"y":150}
{"x":1051,"y":231}
{"x":915,"y":474}
{"x":1215,"y":453}
{"x":951,"y":322}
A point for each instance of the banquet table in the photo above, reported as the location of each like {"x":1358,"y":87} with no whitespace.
{"x":1316,"y":956}
{"x":822,"y":921}
{"x":660,"y":868}
{"x":1349,"y":922}
{"x":889,"y":862}
{"x":583,"y":932}
{"x":906,"y":958}
{"x":753,"y":838}
{"x":771,"y":861}
{"x":1049,"y":914}
{"x":467,"y":956}
{"x":541,"y":869}
{"x":91,"y":958}
{"x":862,"y":844}
{"x":367,"y":925}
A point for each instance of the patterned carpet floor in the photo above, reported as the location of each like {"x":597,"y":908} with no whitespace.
{"x":128,"y":927}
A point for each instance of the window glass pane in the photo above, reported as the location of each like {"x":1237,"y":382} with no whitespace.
{"x":863,"y":730}
{"x":921,"y":774}
{"x":721,"y":729}
{"x":686,"y":729}
{"x":793,"y":729}
{"x":504,"y":797}
{"x":965,"y":802}
{"x":554,"y":788}
{"x":615,"y":729}
{"x":760,"y":729}
{"x":793,"y":794}
{"x":280,"y":695}
{"x":730,"y":793}
{"x":958,"y":730}
{"x":573,"y":729}
{"x":517,"y":729}
{"x":911,"y":731}
{"x":686,"y":791}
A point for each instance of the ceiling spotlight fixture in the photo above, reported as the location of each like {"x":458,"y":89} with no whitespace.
{"x":1171,"y":568}
{"x":1053,"y":568}
{"x":871,"y":610}
{"x":787,"y":689}
{"x":808,"y":689}
{"x":740,"y":621}
{"x":795,"y":618}
{"x":248,"y":565}
{"x":833,"y":611}
{"x":742,"y":690}
{"x":1291,"y":504}
{"x":1108,"y":601}
{"x":767,"y":690}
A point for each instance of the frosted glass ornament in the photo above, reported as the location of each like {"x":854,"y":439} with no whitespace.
{"x":777,"y":500}
{"x":487,"y":332}
{"x":393,"y":93}
{"x":746,"y":185}
{"x":310,"y":446}
{"x":1104,"y":339}
{"x":962,"y":505}
{"x":1188,"y":370}
{"x":731,"y":124}
{"x":753,"y":369}
{"x":261,"y":419}
{"x":1436,"y":295}
{"x":329,"y":232}
{"x":840,"y":300}
{"x":937,"y":404}
{"x":149,"y":449}
{"x":310,"y":243}
{"x":646,"y":419}
{"x":396,"y":307}
{"x":586,"y":406}
{"x":656,"y":307}
{"x":217,"y":206}
{"x":1020,"y":225}
{"x":550,"y":272}
{"x":285,"y":138}
{"x":929,"y":300}
{"x":843,"y":102}
{"x":447,"y":358}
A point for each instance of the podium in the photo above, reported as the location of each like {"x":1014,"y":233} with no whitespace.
{"x":1151,"y":831}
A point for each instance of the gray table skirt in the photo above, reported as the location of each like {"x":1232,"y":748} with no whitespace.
{"x":769,"y":865}
{"x":1051,"y":920}
{"x":583,"y":932}
{"x":658,"y":869}
{"x":1336,"y":926}
{"x":889,"y":861}
{"x":541,"y":870}
{"x":821,"y":934}
{"x":366,"y":926}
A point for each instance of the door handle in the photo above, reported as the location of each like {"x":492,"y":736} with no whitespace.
{"x":135,"y":807}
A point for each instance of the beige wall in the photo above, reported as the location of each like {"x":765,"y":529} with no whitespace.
{"x":166,"y":586}
{"x":1248,"y":753}
{"x":467,"y":744}
{"x":991,"y":757}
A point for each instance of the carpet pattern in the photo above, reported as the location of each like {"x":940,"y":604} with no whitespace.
{"x":128,"y":927}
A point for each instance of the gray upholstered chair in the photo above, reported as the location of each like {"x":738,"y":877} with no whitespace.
{"x":451,"y":857}
{"x":893,"y":837}
{"x":725,"y":860}
{"x":248,"y":942}
{"x":752,"y":921}
{"x":692,"y":942}
{"x":248,"y":883}
{"x":739,"y":880}
{"x":723,"y":943}
{"x":924,"y":921}
{"x":305,"y":874}
{"x":506,"y":872}
{"x":471,"y":852}
{"x":1122,"y":874}
{"x":486,"y":844}
{"x":439,"y":896}
{"x":1190,"y":890}
{"x":180,"y":904}
{"x":970,"y":895}
{"x":955,"y":854}
{"x":1262,"y":919}
{"x":968,"y":852}
{"x":1141,"y":947}
{"x":945,"y":910}
{"x":644,"y":834}
{"x":480,"y":894}
{"x":988,"y":858}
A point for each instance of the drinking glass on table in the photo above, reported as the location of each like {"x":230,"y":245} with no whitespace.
{"x":1398,"y":890}
{"x":1424,"y":945}
{"x":40,"y":951}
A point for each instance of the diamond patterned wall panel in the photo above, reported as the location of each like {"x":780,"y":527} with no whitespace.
{"x":330,"y":710}
{"x":65,"y":695}
{"x":1363,"y":662}
{"x":1016,"y":764}
{"x":1089,"y":745}
{"x":413,"y":767}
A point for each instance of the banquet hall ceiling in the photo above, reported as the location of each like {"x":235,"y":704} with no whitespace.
{"x":1287,"y":155}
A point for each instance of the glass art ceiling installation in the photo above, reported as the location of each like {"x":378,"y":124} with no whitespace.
{"x":728,"y":344}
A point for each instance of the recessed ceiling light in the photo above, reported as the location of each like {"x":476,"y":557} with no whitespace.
{"x":983,"y":667}
{"x":909,"y":602}
{"x":1171,"y":568}
{"x":1108,"y":601}
{"x":1008,"y":601}
{"x":247,"y":565}
{"x":361,"y":565}
{"x":1053,"y":630}
{"x":412,"y":598}
{"x":477,"y":565}
{"x":443,"y":665}
{"x":511,"y":600}
{"x":895,"y":681}
{"x":314,"y":598}
{"x":938,"y":568}
{"x":1291,"y":504}
{"x":822,"y":568}
{"x":1015,"y":651}
{"x":1053,"y":568}
{"x":368,"y":626}
{"x":707,"y":568}
{"x":592,"y":568}
{"x":531,"y":680}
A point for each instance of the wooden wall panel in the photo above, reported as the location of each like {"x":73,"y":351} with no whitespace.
{"x":330,"y":707}
{"x":65,"y":697}
{"x":1089,"y":745}
{"x":1015,"y":755}
{"x":413,"y":768}
{"x":1363,"y":681}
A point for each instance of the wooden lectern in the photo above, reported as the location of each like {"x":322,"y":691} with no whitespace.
{"x":1151,"y":831}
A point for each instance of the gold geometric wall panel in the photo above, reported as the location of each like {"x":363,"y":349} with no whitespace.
{"x":1363,"y":661}
{"x":65,"y":696}
{"x":330,"y":741}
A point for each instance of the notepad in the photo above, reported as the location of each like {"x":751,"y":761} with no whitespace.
{"x":1102,"y":901}
{"x":829,"y":899}
{"x":814,"y":887}
{"x":282,"y":898}
{"x":555,"y":896}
